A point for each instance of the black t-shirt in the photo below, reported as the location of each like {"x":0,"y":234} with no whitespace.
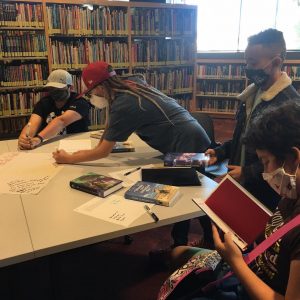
{"x":273,"y":265}
{"x":182,"y":134}
{"x":47,"y":110}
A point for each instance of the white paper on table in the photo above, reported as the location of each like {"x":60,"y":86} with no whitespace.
{"x":75,"y":145}
{"x":114,"y":209}
{"x":132,"y":178}
{"x":27,"y":173}
{"x":7,"y":157}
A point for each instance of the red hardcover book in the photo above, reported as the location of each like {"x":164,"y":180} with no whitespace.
{"x":233,"y":208}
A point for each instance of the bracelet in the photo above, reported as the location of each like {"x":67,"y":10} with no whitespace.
{"x":39,"y":137}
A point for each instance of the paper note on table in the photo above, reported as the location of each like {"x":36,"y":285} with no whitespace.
{"x":75,"y":145}
{"x":115,"y":209}
{"x":27,"y":173}
{"x":132,"y":178}
{"x":7,"y":157}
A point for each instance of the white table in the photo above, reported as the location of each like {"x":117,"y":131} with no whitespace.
{"x":14,"y":234}
{"x":55,"y":227}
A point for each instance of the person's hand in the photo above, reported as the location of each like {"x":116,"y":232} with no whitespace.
{"x":24,"y":142}
{"x":62,"y":157}
{"x":35,"y":142}
{"x":235,"y":172}
{"x":229,"y":251}
{"x":212,"y":156}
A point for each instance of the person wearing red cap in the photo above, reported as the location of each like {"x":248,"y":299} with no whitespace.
{"x":135,"y":106}
{"x":60,"y":112}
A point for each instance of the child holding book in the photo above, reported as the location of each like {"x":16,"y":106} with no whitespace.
{"x":134,"y":106}
{"x":275,"y":274}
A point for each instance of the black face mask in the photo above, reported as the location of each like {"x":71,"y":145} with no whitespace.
{"x":59,"y":95}
{"x":258,"y":76}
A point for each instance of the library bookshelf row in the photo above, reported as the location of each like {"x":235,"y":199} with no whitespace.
{"x":156,"y":40}
{"x":38,"y":36}
{"x":219,"y":81}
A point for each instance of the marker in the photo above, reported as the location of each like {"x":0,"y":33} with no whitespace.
{"x":28,"y":129}
{"x":151,"y":213}
{"x":132,"y":171}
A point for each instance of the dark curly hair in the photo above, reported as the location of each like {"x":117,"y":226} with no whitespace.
{"x":270,"y":38}
{"x":276,"y":130}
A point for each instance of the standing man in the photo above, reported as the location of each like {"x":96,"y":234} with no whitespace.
{"x":60,"y":112}
{"x":270,"y":87}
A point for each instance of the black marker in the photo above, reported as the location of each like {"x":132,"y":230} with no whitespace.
{"x":132,"y":171}
{"x":151,"y":213}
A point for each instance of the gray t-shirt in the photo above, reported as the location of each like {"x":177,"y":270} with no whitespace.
{"x":184,"y":134}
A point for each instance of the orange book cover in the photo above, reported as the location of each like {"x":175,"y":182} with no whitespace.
{"x":232,"y":208}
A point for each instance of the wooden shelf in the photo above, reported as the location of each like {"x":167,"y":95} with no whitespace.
{"x":15,"y":116}
{"x":13,"y":88}
{"x":220,"y":61}
{"x":219,"y":114}
{"x":23,"y":58}
{"x":164,"y":65}
{"x":217,"y":96}
{"x":2,"y":27}
{"x":222,"y":78}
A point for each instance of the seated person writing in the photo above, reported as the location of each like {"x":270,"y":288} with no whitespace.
{"x":60,"y":112}
{"x":275,"y":273}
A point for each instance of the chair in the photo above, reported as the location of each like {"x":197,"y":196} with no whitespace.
{"x":206,"y":122}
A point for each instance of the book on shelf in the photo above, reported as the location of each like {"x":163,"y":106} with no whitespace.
{"x":232,"y":208}
{"x":96,"y":184}
{"x":185,"y":159}
{"x":172,"y":176}
{"x":151,"y":192}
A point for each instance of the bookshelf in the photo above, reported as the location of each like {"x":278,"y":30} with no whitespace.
{"x":220,"y":80}
{"x":38,"y":36}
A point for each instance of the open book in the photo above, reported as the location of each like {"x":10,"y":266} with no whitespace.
{"x":232,"y":208}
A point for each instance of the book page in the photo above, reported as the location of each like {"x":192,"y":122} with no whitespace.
{"x":27,"y":173}
{"x":75,"y":145}
{"x":114,"y":209}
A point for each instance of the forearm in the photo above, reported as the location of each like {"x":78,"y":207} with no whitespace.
{"x":255,"y":287}
{"x":52,"y":129}
{"x":87,"y":155}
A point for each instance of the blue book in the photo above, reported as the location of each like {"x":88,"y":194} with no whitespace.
{"x":151,"y":192}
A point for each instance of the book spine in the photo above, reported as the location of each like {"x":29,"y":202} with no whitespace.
{"x":122,"y":150}
{"x":143,"y":199}
{"x":86,"y":189}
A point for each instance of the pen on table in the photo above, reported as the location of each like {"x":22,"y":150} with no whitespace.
{"x":132,"y":171}
{"x":28,"y":129}
{"x":151,"y":213}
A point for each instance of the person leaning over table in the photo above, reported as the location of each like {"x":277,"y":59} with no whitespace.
{"x":274,"y":274}
{"x":60,"y":112}
{"x":135,"y":106}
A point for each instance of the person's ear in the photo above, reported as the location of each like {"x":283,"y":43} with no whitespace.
{"x":277,"y":61}
{"x":296,"y":155}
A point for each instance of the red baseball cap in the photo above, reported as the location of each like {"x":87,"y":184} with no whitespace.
{"x":95,"y":73}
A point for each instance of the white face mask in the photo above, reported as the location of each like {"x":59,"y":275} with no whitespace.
{"x":282,"y":183}
{"x":99,"y":102}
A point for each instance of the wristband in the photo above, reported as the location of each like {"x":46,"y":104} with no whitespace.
{"x":39,"y":137}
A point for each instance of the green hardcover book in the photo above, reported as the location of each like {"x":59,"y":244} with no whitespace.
{"x":96,"y":184}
